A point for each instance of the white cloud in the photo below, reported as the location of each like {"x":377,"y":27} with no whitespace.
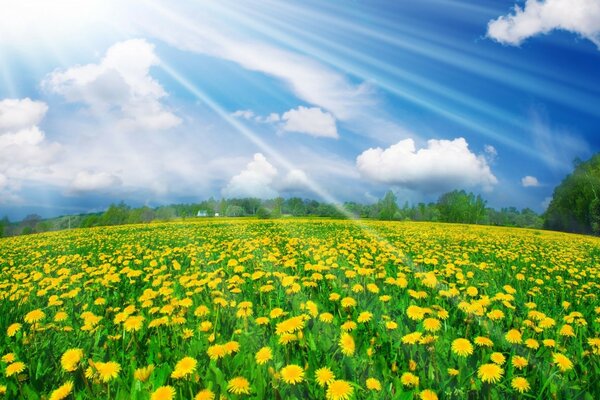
{"x":245,"y":114}
{"x":442,"y":165}
{"x":311,"y":121}
{"x":119,"y":85}
{"x":539,"y":17}
{"x":17,"y":114}
{"x":89,"y":181}
{"x":530,"y":181}
{"x":24,"y":152}
{"x":295,"y":180}
{"x":254,"y":181}
{"x":491,"y":152}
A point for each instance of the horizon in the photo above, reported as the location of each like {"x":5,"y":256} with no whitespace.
{"x":158,"y":103}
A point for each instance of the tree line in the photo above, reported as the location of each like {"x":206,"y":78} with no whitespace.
{"x":456,"y":206}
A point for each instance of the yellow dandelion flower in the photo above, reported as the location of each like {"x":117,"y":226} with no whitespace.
{"x":292,"y":374}
{"x":326,"y":317}
{"x":365,"y":316}
{"x":428,"y":394}
{"x":483,"y":341}
{"x":184,"y":368}
{"x":133,"y":323}
{"x":261,"y":321}
{"x":411,"y":338}
{"x":163,"y":393}
{"x":513,"y":336}
{"x":452,"y":371}
{"x":15,"y":368}
{"x":562,"y":362}
{"x":13,"y":329}
{"x":339,"y":390}
{"x":34,"y":316}
{"x":231,"y":347}
{"x":373,"y":384}
{"x":264,"y":355}
{"x":70,"y":359}
{"x":490,"y":373}
{"x":216,"y":351}
{"x":62,"y":392}
{"x":391,"y":325}
{"x":205,"y":394}
{"x":498,"y":358}
{"x":532,"y":344}
{"x":238,"y":385}
{"x":462,"y":347}
{"x":108,"y":371}
{"x":347,"y":344}
{"x":9,"y":358}
{"x":432,"y":324}
{"x":408,"y":379}
{"x":520,"y":384}
{"x":324,"y":376}
{"x":519,"y":362}
{"x":142,"y":374}
{"x":348,"y":302}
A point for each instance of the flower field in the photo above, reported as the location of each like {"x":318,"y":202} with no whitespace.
{"x":300,"y":309}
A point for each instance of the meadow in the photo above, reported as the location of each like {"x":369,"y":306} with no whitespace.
{"x":284,"y":309}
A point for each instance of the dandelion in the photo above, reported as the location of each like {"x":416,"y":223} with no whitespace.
{"x":490,"y":373}
{"x":264,"y":355}
{"x":519,"y":362}
{"x":365,"y":316}
{"x":462,"y":347}
{"x":108,"y":371}
{"x":339,"y":390}
{"x":347,"y":344}
{"x":62,"y":392}
{"x":513,"y":336}
{"x":205,"y":394}
{"x":520,"y":384}
{"x":373,"y":384}
{"x":428,"y":394}
{"x":238,"y":385}
{"x":324,"y":376}
{"x":9,"y":358}
{"x":133,"y":324}
{"x":163,"y":393}
{"x":70,"y":359}
{"x":482,"y":341}
{"x":13,"y":329}
{"x":184,"y":368}
{"x":562,"y":362}
{"x":409,"y":379}
{"x":34,"y":316}
{"x":292,"y":374}
{"x":432,"y":324}
{"x":142,"y":374}
{"x":15,"y":368}
{"x":498,"y":358}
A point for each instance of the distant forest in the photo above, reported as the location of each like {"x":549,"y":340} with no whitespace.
{"x":456,"y":206}
{"x":575,"y":207}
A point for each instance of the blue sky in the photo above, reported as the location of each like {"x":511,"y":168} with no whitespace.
{"x":155,"y":102}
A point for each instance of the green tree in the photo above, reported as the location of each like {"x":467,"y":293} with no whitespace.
{"x":573,"y":207}
{"x":388,"y":207}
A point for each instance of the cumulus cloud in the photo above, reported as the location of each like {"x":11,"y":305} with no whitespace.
{"x":120,"y":85}
{"x":311,"y":121}
{"x":294,"y":180}
{"x":530,"y":181}
{"x":540,"y":17}
{"x":255,"y":180}
{"x":442,"y":165}
{"x":24,"y":152}
{"x":86,"y":181}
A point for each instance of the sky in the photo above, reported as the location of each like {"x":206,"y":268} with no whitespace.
{"x":156,"y":102}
